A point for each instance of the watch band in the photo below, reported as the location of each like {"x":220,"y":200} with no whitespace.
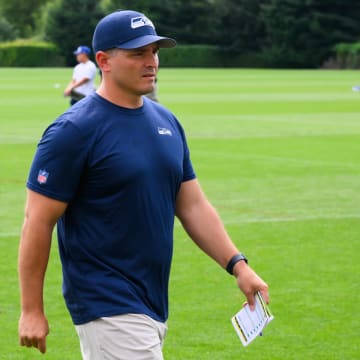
{"x":236,"y":258}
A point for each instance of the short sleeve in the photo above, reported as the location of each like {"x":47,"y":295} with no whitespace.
{"x":188,"y":170}
{"x":58,"y":162}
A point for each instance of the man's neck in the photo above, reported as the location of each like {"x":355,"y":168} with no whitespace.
{"x":120,"y":98}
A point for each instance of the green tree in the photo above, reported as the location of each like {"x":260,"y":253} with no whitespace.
{"x":23,"y":15}
{"x":241,"y":29}
{"x":189,"y":22}
{"x":7,"y":31}
{"x":303,"y":33}
{"x":71,"y":23}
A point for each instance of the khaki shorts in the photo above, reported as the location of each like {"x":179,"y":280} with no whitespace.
{"x":123,"y":337}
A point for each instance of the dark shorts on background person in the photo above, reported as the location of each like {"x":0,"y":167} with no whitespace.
{"x":75,"y":96}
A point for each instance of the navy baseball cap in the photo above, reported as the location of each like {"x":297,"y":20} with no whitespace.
{"x":82,"y":50}
{"x":127,"y":29}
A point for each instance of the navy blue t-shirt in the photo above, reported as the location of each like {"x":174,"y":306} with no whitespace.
{"x":119,"y":170}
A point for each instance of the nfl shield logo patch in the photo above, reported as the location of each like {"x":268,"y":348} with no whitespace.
{"x":42,"y":176}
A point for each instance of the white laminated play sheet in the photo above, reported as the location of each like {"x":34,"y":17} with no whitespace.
{"x":250,"y":324}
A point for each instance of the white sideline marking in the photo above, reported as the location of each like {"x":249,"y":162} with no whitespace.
{"x":301,"y":161}
{"x":297,"y":218}
{"x":286,"y":219}
{"x":9,"y":234}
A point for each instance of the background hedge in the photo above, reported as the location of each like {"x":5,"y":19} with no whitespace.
{"x":348,"y":55}
{"x":42,"y":54}
{"x":29,"y":54}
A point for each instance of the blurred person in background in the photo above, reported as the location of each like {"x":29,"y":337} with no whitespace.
{"x":82,"y":82}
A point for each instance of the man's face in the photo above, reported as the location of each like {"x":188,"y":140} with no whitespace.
{"x":134,"y":71}
{"x":81,"y":58}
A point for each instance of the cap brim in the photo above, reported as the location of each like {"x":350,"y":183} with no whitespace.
{"x":163,"y":42}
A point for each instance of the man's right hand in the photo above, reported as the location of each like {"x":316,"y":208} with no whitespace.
{"x":33,"y":329}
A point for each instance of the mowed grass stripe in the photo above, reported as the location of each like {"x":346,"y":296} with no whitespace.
{"x":279,"y":125}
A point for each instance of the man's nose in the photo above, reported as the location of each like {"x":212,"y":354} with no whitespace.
{"x":152,"y":60}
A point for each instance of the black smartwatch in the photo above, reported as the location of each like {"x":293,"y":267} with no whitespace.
{"x":236,"y":258}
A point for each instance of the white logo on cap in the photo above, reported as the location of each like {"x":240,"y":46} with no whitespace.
{"x":141,"y":21}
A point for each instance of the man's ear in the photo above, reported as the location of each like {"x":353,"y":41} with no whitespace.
{"x":102,"y":59}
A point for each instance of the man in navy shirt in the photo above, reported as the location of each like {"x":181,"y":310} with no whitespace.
{"x":113,"y":172}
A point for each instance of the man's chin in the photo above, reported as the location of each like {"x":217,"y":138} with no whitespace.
{"x":148,"y":90}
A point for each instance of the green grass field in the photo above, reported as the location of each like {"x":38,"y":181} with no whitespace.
{"x":278,"y":154}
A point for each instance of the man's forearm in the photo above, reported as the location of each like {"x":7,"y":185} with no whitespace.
{"x":34,"y":253}
{"x":206,"y":229}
